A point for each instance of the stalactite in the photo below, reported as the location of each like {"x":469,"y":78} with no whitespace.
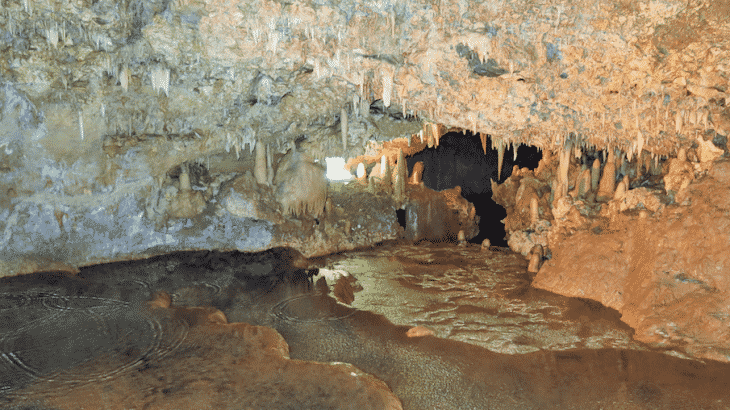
{"x":301,"y":185}
{"x":260,"y":169}
{"x":124,"y":78}
{"x":563,"y":165}
{"x":678,"y":122}
{"x":343,"y":129}
{"x":595,"y":174}
{"x":81,"y":125}
{"x":417,"y":173}
{"x":483,"y":138}
{"x":436,"y":133}
{"x":500,"y":158}
{"x":269,"y":167}
{"x":387,"y":88}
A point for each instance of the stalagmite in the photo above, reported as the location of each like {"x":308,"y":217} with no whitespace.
{"x":682,"y":154}
{"x":607,"y":186}
{"x":260,"y":169}
{"x":595,"y":174}
{"x":707,"y":151}
{"x":582,"y":184}
{"x":385,"y":171}
{"x":627,"y":183}
{"x":401,"y":174}
{"x":343,"y":128}
{"x":184,"y":179}
{"x":417,"y":173}
{"x":534,"y":210}
{"x":535,"y":259}
{"x":586,"y":182}
{"x":461,"y":238}
{"x":500,"y":158}
{"x":620,"y":191}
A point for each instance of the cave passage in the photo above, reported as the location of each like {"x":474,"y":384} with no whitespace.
{"x":460,"y":160}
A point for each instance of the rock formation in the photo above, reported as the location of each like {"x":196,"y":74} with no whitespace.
{"x":124,"y":126}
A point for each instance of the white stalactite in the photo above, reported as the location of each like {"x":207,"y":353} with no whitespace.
{"x":81,"y":124}
{"x":124,"y":78}
{"x":387,"y":88}
{"x":161,"y":80}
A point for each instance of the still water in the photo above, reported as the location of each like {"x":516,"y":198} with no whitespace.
{"x":496,"y":342}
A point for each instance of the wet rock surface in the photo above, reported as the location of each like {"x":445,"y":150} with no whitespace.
{"x":184,"y":331}
{"x":474,"y":296}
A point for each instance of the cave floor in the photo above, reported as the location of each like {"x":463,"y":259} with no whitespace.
{"x":94,"y":340}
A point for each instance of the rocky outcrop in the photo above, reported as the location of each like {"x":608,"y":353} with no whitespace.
{"x":664,"y":269}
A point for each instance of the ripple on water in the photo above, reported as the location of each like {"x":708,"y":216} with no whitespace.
{"x":49,"y":337}
{"x":312,"y":307}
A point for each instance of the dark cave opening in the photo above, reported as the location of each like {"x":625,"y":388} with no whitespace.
{"x":460,"y":160}
{"x":401,"y":215}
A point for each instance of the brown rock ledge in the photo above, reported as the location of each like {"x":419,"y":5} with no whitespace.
{"x":666,"y":273}
{"x":218,"y":365}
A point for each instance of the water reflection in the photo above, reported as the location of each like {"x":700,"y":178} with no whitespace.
{"x":500,"y":343}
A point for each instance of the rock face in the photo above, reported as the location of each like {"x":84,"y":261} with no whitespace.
{"x":439,"y":216}
{"x":665,"y":272}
